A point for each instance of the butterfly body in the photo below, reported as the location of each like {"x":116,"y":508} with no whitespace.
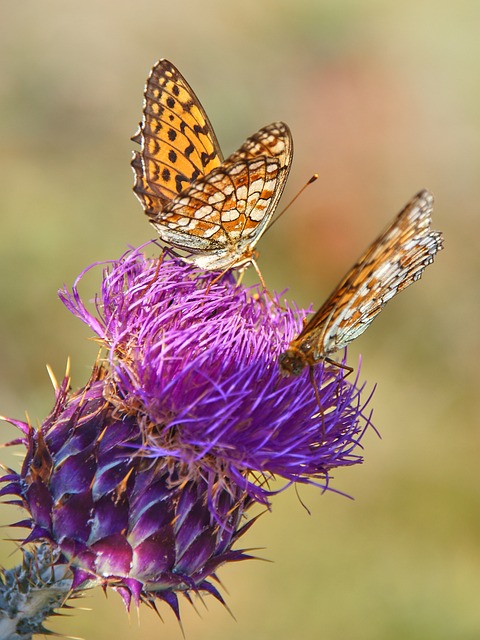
{"x":393,"y":262}
{"x":214,"y":209}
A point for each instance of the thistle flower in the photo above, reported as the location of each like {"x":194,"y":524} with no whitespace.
{"x":141,"y":479}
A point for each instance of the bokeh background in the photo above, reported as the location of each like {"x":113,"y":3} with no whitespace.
{"x":383,"y":98}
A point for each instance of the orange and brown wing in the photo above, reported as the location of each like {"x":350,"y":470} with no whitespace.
{"x":178,"y":143}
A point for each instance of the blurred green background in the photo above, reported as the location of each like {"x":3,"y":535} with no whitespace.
{"x":383,"y":98}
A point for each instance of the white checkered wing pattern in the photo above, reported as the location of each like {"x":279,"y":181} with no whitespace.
{"x":221,"y":216}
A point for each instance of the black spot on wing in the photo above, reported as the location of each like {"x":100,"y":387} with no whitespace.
{"x":189,"y":150}
{"x":181,"y":182}
{"x":205,"y":157}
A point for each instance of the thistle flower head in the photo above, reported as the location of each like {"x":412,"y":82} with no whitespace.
{"x":142,"y":478}
{"x":195,"y":358}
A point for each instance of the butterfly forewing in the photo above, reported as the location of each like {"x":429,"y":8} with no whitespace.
{"x":178,"y":143}
{"x":393,"y":262}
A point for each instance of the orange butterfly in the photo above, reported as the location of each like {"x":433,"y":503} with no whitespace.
{"x":393,"y":262}
{"x":214,"y":209}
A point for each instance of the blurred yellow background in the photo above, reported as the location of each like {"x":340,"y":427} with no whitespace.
{"x":383,"y":98}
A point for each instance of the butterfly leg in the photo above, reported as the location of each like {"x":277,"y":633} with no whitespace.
{"x":264,"y":286}
{"x":340,"y":365}
{"x":311,"y":373}
{"x":259,"y":274}
{"x":242,"y":271}
{"x":216,"y":279}
{"x":157,"y":270}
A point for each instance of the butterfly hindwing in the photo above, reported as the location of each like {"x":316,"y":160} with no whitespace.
{"x":223,"y":215}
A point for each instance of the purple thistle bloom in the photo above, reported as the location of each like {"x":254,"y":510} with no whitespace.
{"x":196,"y":358}
{"x":142,"y":478}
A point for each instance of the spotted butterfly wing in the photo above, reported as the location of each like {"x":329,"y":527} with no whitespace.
{"x":178,"y":143}
{"x":393,"y":262}
{"x":222,"y":215}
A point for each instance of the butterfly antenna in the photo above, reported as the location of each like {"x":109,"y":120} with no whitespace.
{"x":307,"y":184}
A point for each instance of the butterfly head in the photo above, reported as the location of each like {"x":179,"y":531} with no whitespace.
{"x":292,"y":362}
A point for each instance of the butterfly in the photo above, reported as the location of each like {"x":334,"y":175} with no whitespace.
{"x":393,"y":262}
{"x":214,"y":209}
